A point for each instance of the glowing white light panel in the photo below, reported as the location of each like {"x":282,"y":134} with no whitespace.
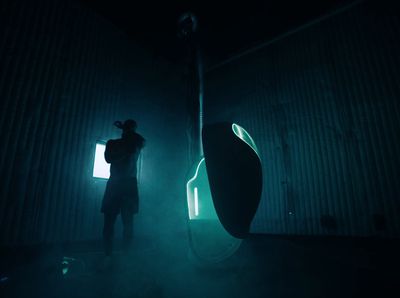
{"x":101,"y":168}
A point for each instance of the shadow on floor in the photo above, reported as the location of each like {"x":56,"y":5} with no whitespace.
{"x":264,"y":266}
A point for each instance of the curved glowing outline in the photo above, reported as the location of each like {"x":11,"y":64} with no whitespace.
{"x":188,"y":192}
{"x":238,"y":130}
{"x":197,"y":220}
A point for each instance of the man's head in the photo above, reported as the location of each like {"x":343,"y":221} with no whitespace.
{"x":127,"y":126}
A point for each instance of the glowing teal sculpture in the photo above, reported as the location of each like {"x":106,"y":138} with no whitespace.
{"x":210,"y":240}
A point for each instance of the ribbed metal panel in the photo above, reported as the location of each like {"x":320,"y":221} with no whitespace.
{"x":323,"y":107}
{"x":65,"y":76}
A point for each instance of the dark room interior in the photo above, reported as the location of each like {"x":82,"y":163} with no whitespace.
{"x":199,"y":149}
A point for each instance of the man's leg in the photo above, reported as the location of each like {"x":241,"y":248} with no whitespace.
{"x":108,"y":231}
{"x":127,"y":221}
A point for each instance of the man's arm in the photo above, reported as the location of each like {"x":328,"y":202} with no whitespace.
{"x":113,"y":152}
{"x":107,"y":152}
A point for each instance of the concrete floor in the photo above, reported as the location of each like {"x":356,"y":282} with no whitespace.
{"x":264,"y":266}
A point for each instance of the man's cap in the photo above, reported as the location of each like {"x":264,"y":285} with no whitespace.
{"x":129,"y":124}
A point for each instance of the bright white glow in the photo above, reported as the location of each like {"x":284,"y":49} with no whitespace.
{"x":196,"y":201}
{"x":101,"y":168}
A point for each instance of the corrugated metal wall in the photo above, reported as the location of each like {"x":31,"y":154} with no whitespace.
{"x":65,"y":76}
{"x":323,"y":107}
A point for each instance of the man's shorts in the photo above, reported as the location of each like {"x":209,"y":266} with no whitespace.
{"x":121,"y":193}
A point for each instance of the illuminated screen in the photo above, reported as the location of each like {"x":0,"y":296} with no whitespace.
{"x":101,"y":168}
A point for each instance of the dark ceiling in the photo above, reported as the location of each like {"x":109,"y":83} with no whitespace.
{"x":225,"y":27}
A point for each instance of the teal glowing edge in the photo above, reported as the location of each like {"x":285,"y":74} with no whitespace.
{"x":200,"y":204}
{"x":244,"y":135}
{"x":210,"y":242}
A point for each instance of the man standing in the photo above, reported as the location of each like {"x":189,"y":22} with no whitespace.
{"x":121,"y":195}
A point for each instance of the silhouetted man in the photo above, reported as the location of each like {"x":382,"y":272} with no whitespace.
{"x":121,"y":195}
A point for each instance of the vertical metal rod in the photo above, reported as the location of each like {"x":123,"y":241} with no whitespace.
{"x":200,"y":72}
